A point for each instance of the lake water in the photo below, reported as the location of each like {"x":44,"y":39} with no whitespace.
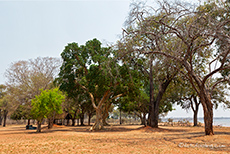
{"x":221,"y":121}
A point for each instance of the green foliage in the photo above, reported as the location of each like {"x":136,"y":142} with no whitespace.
{"x":47,"y":103}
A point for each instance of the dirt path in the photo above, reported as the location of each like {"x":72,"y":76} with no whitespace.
{"x":114,"y":139}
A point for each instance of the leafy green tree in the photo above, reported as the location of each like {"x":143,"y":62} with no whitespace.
{"x":93,"y":68}
{"x":47,"y":105}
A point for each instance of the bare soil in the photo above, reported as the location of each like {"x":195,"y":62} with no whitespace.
{"x":114,"y":139}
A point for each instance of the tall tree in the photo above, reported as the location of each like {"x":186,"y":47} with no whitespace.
{"x":193,"y":32}
{"x":91,"y":67}
{"x":136,"y":40}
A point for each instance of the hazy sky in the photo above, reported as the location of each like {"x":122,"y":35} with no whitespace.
{"x":29,"y":29}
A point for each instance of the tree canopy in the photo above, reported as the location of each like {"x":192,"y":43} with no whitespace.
{"x":46,"y":105}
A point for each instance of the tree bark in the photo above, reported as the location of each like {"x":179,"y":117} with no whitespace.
{"x":50,"y":123}
{"x":98,"y":125}
{"x":154,"y":115}
{"x":106,"y":113}
{"x":5,"y":112}
{"x":195,"y":118}
{"x":208,"y":112}
{"x":39,"y":128}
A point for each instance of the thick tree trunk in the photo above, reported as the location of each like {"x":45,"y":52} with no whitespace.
{"x":105,"y":115}
{"x":98,"y":125}
{"x":154,"y":115}
{"x":104,"y":119}
{"x":50,"y":123}
{"x":39,"y":126}
{"x":78,"y":121}
{"x":208,"y":121}
{"x":5,"y":112}
{"x":208,"y":112}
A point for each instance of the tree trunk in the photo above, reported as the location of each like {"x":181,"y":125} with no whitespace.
{"x":74,"y":117}
{"x":5,"y":112}
{"x":195,"y":110}
{"x":0,"y":117}
{"x":78,"y":121}
{"x":120,"y":117}
{"x":151,"y":102}
{"x":50,"y":123}
{"x":104,"y":117}
{"x":39,"y":126}
{"x":195,"y":118}
{"x":104,"y":120}
{"x":73,"y":122}
{"x":208,"y":112}
{"x":143,"y":119}
{"x":98,"y":125}
{"x":82,"y":119}
{"x":208,"y":121}
{"x":28,"y":122}
{"x":67,"y":122}
{"x":89,"y":118}
{"x":51,"y":120}
{"x":154,"y":115}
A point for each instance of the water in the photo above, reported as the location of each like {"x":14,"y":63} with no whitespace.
{"x":221,"y":121}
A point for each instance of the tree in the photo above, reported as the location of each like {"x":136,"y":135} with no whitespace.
{"x":192,"y":33}
{"x":26,"y":78}
{"x":47,"y":105}
{"x":2,"y":94}
{"x":158,"y":70}
{"x":6,"y":105}
{"x":92,"y":68}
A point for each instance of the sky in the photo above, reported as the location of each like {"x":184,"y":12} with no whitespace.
{"x":29,"y":29}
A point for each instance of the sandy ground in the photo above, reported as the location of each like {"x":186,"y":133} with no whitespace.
{"x":114,"y":139}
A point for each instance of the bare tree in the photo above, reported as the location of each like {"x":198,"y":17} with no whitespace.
{"x":26,"y":78}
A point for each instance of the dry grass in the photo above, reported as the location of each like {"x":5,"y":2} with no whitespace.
{"x":114,"y":139}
